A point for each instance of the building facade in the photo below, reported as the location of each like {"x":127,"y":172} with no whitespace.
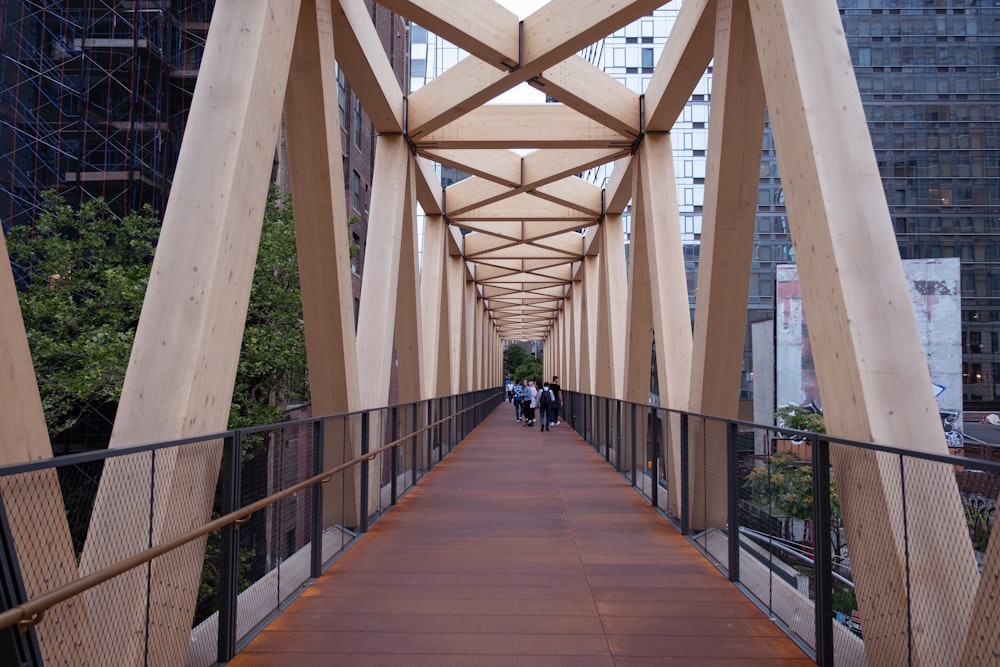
{"x":929,"y":76}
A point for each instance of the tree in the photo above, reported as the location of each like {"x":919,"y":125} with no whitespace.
{"x":513,"y":356}
{"x":272,"y":367}
{"x":83,"y":274}
{"x":530,"y":369}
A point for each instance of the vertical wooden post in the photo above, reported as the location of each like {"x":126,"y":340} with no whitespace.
{"x":852,"y":285}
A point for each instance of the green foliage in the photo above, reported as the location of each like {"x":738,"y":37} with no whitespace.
{"x":800,"y":418}
{"x":272,"y":367}
{"x":354,"y":247}
{"x":530,"y":369}
{"x":845,"y":601}
{"x":784,"y":484}
{"x":513,"y":356}
{"x":85,"y":273}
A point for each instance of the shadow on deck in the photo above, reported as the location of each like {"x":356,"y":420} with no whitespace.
{"x":521,"y":548}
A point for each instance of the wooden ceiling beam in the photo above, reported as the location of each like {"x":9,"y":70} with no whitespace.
{"x":582,"y":86}
{"x":548,"y":36}
{"x":499,"y":166}
{"x":519,"y":126}
{"x":682,"y":63}
{"x":371,"y":77}
{"x":486,"y":29}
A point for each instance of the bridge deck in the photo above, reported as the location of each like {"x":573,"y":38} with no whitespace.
{"x":521,"y":548}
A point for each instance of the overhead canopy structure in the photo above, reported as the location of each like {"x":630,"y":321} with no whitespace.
{"x":542,"y":257}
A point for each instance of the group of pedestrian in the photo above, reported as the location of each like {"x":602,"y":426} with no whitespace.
{"x":528,"y":399}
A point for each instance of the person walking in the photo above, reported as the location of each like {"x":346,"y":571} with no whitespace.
{"x":545,"y":402}
{"x":530,"y":403}
{"x":557,"y":401}
{"x":516,"y":393}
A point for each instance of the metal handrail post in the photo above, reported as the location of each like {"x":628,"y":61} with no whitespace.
{"x":316,"y":551}
{"x":822,"y":551}
{"x":635,"y":436}
{"x":413,"y":443}
{"x":733,"y":504}
{"x":393,"y":456}
{"x":229,"y":552}
{"x":654,"y":494}
{"x":16,"y":648}
{"x":363,"y":509}
{"x":685,"y":476}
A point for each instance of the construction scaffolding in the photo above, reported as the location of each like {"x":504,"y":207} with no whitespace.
{"x":93,"y":99}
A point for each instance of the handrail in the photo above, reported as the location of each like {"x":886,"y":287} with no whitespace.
{"x":32,"y":612}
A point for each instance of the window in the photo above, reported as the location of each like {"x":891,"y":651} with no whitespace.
{"x":342,"y":96}
{"x":357,"y":125}
{"x":356,"y":191}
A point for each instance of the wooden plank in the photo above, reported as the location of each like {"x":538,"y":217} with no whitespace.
{"x":23,"y":433}
{"x":522,"y":126}
{"x":429,"y":191}
{"x":316,"y":171}
{"x":612,"y":317}
{"x":668,"y":295}
{"x":575,"y":193}
{"x":682,"y":63}
{"x":180,"y":377}
{"x":628,"y":583}
{"x":732,"y":182}
{"x":618,"y":192}
{"x":852,"y":284}
{"x":526,"y":207}
{"x":379,"y":290}
{"x":550,"y":35}
{"x":582,"y":86}
{"x":589,"y":312}
{"x":409,"y":309}
{"x":434,"y":303}
{"x":546,"y":166}
{"x":456,"y":300}
{"x":372,"y":78}
{"x":486,"y":29}
{"x":33,"y":502}
{"x":497,"y":165}
{"x":473,"y":192}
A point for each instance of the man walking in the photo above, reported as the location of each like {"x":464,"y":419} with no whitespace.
{"x":545,"y":403}
{"x":556,"y":401}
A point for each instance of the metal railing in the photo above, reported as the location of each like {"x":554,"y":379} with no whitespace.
{"x":760,"y":502}
{"x":284,"y":509}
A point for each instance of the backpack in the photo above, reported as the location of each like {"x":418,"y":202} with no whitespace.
{"x":545,"y":398}
{"x":517,"y":391}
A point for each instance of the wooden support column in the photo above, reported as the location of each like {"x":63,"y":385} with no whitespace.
{"x":732,"y":181}
{"x":873,"y":380}
{"x":317,"y":177}
{"x":180,"y":377}
{"x":456,"y":299}
{"x":408,"y":325}
{"x":380,"y":288}
{"x":611,"y":319}
{"x":590,"y":289}
{"x":576,"y":359}
{"x":33,"y":501}
{"x":662,"y":301}
{"x":468,"y":334}
{"x":434,"y":301}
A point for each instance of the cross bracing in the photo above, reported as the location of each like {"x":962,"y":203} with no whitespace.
{"x":542,"y":257}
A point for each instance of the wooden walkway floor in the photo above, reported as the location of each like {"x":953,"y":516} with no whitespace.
{"x":521,"y":548}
